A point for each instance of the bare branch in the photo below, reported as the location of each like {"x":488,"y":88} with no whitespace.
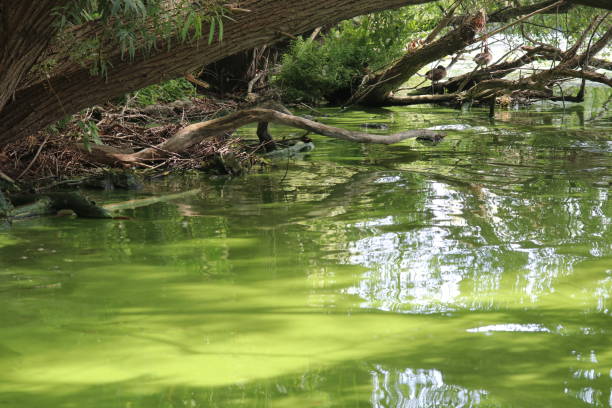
{"x":589,"y":75}
{"x":195,"y":133}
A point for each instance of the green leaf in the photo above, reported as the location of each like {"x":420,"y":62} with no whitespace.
{"x":211,"y":33}
{"x":198,"y":26}
{"x":186,"y":26}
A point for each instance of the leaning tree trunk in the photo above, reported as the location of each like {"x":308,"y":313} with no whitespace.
{"x":375,"y":90}
{"x":22,"y":44}
{"x":268,"y":21}
{"x":567,"y":58}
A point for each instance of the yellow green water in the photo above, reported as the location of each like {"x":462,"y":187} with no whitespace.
{"x":474,"y":273}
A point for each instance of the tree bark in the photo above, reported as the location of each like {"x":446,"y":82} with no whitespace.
{"x":22,"y":44}
{"x":268,"y":21}
{"x":603,"y":4}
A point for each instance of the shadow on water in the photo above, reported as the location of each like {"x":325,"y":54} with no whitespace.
{"x":494,"y":369}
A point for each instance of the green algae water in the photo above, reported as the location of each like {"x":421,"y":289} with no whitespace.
{"x":472,"y":273}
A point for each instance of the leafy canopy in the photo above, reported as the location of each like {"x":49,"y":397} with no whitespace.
{"x":136,"y":25}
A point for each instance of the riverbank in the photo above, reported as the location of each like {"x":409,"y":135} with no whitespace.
{"x":61,"y":151}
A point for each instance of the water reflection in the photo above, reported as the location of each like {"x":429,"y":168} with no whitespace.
{"x":476,"y":236}
{"x":472,"y":273}
{"x":420,"y":388}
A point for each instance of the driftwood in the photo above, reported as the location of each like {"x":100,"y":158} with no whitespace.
{"x":196,"y":133}
{"x":419,"y":99}
{"x":30,"y":205}
{"x":33,"y":205}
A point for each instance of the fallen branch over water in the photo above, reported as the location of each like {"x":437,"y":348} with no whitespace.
{"x":196,"y":133}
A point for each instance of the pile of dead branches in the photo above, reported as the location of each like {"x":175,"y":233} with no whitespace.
{"x":59,"y":152}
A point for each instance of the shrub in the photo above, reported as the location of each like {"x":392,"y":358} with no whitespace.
{"x":330,"y":68}
{"x":165,"y":92}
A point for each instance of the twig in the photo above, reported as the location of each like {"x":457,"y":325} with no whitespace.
{"x":315,"y":33}
{"x":6,"y":177}
{"x":235,"y":9}
{"x":363,"y":91}
{"x":286,"y":171}
{"x":283,"y":33}
{"x":310,"y":108}
{"x":158,"y":166}
{"x":587,"y":53}
{"x":253,"y":81}
{"x":543,"y":9}
{"x":443,"y":23}
{"x":196,"y":81}
{"x":35,"y":156}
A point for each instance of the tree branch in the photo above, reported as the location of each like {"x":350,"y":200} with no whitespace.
{"x":196,"y":133}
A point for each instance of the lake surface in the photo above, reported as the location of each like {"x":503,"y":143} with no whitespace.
{"x":473,"y":273}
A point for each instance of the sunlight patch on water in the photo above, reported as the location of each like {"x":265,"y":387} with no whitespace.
{"x":510,"y":327}
{"x":419,"y":388}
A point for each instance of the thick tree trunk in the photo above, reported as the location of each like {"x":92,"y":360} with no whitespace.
{"x":22,"y":44}
{"x":268,"y":21}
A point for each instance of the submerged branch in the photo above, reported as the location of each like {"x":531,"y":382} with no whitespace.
{"x":420,"y":99}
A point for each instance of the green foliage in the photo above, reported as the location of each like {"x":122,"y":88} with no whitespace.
{"x":60,"y":125}
{"x":330,"y":69}
{"x":169,"y":91}
{"x":137,"y":26}
{"x":559,"y":30}
{"x":314,"y":70}
{"x":90,"y":132}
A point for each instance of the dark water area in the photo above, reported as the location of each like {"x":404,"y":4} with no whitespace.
{"x":472,"y":273}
